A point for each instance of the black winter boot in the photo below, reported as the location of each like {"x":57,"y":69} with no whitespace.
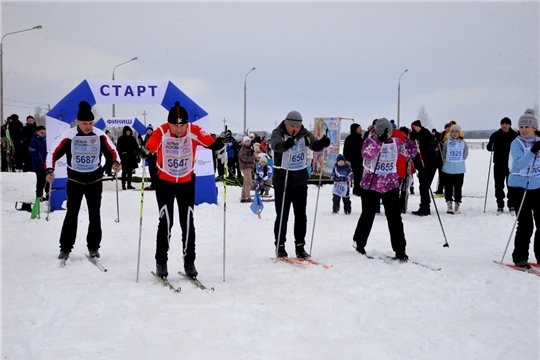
{"x":281,"y":252}
{"x":301,"y":253}
{"x":161,"y":270}
{"x":401,"y":256}
{"x":190,"y":270}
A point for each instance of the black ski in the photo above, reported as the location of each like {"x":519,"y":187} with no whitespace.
{"x":166,"y":282}
{"x":392,"y":258}
{"x":194,"y":281}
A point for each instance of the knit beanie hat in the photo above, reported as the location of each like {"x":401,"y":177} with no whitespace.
{"x":383,"y":124}
{"x":246,"y":138}
{"x":293,"y":118}
{"x":528,"y":119}
{"x":417,"y":123}
{"x":263,"y":158}
{"x":340,"y":157}
{"x":41,"y":127}
{"x":506,"y":120}
{"x":404,"y":130}
{"x":177,"y":114}
{"x":85,"y":112}
{"x":455,"y":127}
{"x":150,"y":127}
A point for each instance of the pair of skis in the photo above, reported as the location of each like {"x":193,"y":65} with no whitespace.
{"x":194,"y":281}
{"x":390,"y":259}
{"x":302,"y":262}
{"x":94,"y":261}
{"x":519,"y":268}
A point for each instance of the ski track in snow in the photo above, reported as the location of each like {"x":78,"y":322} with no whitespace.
{"x":360,"y":308}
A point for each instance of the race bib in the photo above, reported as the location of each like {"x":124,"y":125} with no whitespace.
{"x":85,"y":151}
{"x":387,"y":160}
{"x":177,"y":156}
{"x":533,"y":170}
{"x":454,"y":151}
{"x":298,"y":156}
{"x":340,"y":188}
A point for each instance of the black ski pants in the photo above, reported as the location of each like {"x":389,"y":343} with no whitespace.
{"x":184,"y":194}
{"x":370,"y":202}
{"x":425,"y":177}
{"x":336,"y":200}
{"x":500,"y":176}
{"x":529,"y":214}
{"x":41,"y":182}
{"x":297,"y":196}
{"x":453,"y":186}
{"x":75,"y":192}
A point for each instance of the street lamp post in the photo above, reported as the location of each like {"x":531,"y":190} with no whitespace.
{"x":398,"y":94}
{"x":39,"y":27}
{"x":135,"y":58}
{"x":245,"y":79}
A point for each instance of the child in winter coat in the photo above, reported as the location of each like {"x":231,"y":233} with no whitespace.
{"x":341,"y":175}
{"x":454,"y":154}
{"x":264,"y":175}
{"x":37,"y":150}
{"x":524,"y":163}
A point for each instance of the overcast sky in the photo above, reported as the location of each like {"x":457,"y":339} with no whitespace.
{"x":473,"y":62}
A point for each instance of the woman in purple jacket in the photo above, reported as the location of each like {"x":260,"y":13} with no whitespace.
{"x":380,"y":181}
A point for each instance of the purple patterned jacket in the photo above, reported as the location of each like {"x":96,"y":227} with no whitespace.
{"x":370,"y":151}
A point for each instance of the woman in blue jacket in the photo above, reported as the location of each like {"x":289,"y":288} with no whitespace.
{"x":524,"y":164}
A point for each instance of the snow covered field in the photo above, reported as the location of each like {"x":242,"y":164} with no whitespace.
{"x":360,"y":308}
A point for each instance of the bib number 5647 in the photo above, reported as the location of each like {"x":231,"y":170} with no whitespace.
{"x":176,"y":163}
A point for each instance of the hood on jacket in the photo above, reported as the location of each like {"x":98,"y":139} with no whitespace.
{"x":126,"y":129}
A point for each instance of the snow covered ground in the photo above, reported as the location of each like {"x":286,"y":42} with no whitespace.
{"x":360,"y":308}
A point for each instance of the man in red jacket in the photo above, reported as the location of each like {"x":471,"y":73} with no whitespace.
{"x":175,"y":144}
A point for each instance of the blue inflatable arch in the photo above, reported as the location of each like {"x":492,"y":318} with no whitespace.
{"x":162,"y":93}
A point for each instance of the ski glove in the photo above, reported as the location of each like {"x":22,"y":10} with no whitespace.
{"x":226,"y":136}
{"x":384,"y":136}
{"x":535,"y":147}
{"x":325,"y":141}
{"x":289,"y":143}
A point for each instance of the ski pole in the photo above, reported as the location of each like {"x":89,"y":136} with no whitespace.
{"x":49,"y":203}
{"x":489,"y":172}
{"x":325,"y":155}
{"x":140,"y":217}
{"x":283,"y":202}
{"x":431,"y":192}
{"x":520,"y":207}
{"x":225,"y":170}
{"x":117,"y":203}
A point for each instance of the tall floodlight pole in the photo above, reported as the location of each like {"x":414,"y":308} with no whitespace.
{"x":39,"y":27}
{"x":135,"y":58}
{"x":245,"y":79}
{"x":398,"y":94}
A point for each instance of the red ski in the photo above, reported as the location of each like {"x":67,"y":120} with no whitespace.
{"x":530,"y":271}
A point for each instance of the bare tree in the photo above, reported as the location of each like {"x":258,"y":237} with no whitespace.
{"x":39,"y":116}
{"x":424,"y":117}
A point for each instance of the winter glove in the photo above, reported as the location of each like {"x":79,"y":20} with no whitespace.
{"x":289,"y":143}
{"x":325,"y":141}
{"x":535,"y":147}
{"x":49,"y":175}
{"x":144,"y":152}
{"x":226,"y":136}
{"x":384,"y":136}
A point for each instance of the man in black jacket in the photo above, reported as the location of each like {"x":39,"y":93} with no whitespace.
{"x":499,"y":143}
{"x":352,"y":151}
{"x":290,"y":141}
{"x":425,"y":163}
